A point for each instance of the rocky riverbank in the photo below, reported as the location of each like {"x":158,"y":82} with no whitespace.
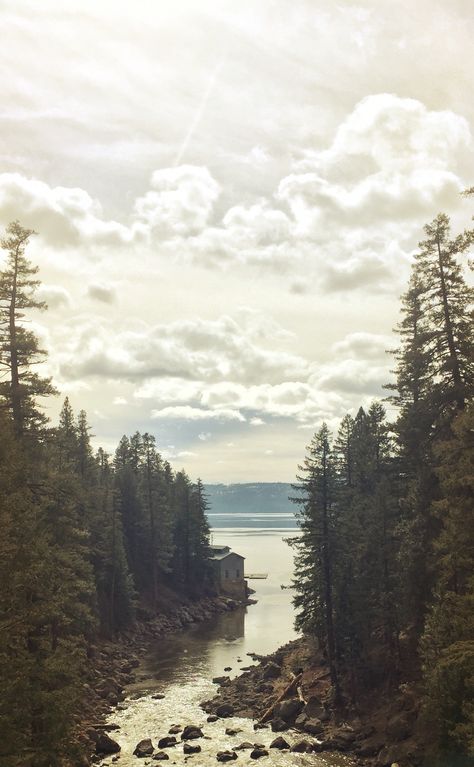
{"x":113,"y":666}
{"x":290,"y":691}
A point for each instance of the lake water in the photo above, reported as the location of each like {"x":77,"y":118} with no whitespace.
{"x":182,"y":666}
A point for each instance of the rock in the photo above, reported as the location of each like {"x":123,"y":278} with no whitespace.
{"x":167,"y":742}
{"x":174,"y":729}
{"x":190,"y":749}
{"x":144,"y":748}
{"x":257,"y":753}
{"x":260,"y":726}
{"x":226,"y":756}
{"x":271,"y":671}
{"x":398,"y":728}
{"x":222,"y":681}
{"x":191,"y":732}
{"x":160,"y":756}
{"x":388,"y":756}
{"x":105,"y":745}
{"x":107,"y":727}
{"x":158,"y":696}
{"x":302,"y":747}
{"x":212,"y":718}
{"x":314,"y":708}
{"x":341,"y":741}
{"x":228,"y":668}
{"x":300,"y":720}
{"x":279,"y":743}
{"x":288,"y":709}
{"x":224,"y":710}
{"x":279,"y":725}
{"x":313,"y":726}
{"x":244,"y":746}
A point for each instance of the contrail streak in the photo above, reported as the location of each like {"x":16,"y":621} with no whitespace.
{"x":199,"y":113}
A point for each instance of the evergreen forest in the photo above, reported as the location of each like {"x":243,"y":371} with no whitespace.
{"x":385,"y":559}
{"x":88,"y":539}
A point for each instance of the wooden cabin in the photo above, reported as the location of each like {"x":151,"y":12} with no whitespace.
{"x":229,"y":572}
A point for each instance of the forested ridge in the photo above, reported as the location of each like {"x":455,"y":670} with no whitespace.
{"x":87,"y":539}
{"x":385,"y":558}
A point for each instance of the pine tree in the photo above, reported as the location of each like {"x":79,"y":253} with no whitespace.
{"x":114,"y":583}
{"x":315,"y":547}
{"x":19,"y":349}
{"x":447,"y":301}
{"x":448,"y":640}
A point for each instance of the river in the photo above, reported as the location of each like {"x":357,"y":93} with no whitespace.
{"x":182,"y":666}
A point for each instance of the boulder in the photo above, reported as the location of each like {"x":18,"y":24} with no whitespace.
{"x":174,"y":729}
{"x":279,"y":743}
{"x":271,"y":671}
{"x":314,"y":709}
{"x":158,"y":696}
{"x":191,"y":732}
{"x":222,"y":681}
{"x":257,"y":753}
{"x":167,"y":742}
{"x":212,"y":718}
{"x":228,"y":668}
{"x":313,"y":726}
{"x":260,"y":726}
{"x":279,"y":725}
{"x":288,"y":709}
{"x":244,"y":746}
{"x":302,"y":747}
{"x":232,"y":731}
{"x":398,"y":728}
{"x":224,"y":710}
{"x":144,"y":748}
{"x":160,"y":756}
{"x":226,"y":756}
{"x":105,"y":745}
{"x":300,"y":720}
{"x":188,"y":748}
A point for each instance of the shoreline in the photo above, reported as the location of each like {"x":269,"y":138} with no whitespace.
{"x":114,"y":666}
{"x":289,"y":690}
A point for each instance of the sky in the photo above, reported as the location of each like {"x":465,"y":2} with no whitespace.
{"x":228,"y":195}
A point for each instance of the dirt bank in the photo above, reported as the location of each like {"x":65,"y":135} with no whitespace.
{"x":290,"y":689}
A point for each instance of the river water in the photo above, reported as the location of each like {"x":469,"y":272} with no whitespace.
{"x":182,"y":666}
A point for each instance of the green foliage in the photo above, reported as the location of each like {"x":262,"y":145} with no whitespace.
{"x":83,"y":539}
{"x":400,"y":514}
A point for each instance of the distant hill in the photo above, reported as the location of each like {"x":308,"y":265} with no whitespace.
{"x":259,"y":497}
{"x":262,"y":505}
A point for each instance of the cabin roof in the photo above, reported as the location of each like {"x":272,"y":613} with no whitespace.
{"x":221,"y":552}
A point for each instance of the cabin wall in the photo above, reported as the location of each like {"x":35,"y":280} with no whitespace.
{"x":230,"y":576}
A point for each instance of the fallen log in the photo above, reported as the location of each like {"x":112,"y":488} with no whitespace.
{"x":291,"y":688}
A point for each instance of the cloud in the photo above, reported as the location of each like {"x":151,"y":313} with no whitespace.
{"x":55,"y":296}
{"x":179,"y":202}
{"x":193,"y":350}
{"x":63,"y":216}
{"x":105,"y":294}
{"x":391,"y":158}
{"x":188,"y":413}
{"x":364,"y":346}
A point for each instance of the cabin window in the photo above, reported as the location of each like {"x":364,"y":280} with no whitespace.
{"x":226,"y":573}
{"x":237,"y":573}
